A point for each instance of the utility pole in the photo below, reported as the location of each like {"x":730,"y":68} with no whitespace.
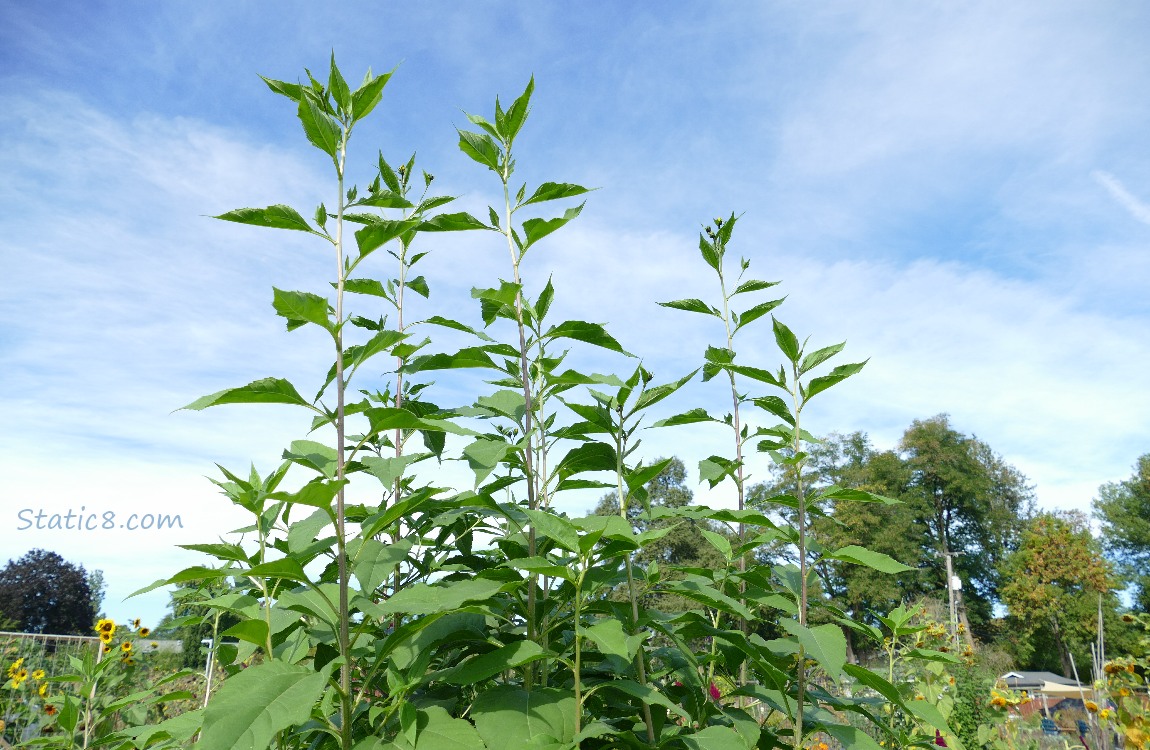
{"x":951,"y":588}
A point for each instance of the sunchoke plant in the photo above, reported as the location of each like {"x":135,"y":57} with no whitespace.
{"x":380,"y":607}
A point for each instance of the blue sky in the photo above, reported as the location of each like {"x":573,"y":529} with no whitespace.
{"x":961,"y":191}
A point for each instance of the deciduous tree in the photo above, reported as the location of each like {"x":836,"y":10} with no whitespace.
{"x":1124,"y":510}
{"x":43,"y":593}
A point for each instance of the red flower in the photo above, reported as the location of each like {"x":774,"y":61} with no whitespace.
{"x":715,"y":694}
{"x":938,"y":740}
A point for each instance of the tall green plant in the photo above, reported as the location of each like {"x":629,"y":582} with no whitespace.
{"x":479,"y":617}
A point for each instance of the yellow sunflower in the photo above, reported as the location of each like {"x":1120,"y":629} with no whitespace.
{"x":145,"y":632}
{"x":38,"y":674}
{"x":106,"y":637}
{"x":126,"y":647}
{"x":106,"y":626}
{"x":43,"y":690}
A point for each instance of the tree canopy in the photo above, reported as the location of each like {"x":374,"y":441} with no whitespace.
{"x":1124,"y":510}
{"x":43,"y":593}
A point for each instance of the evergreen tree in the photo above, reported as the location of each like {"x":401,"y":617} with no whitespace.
{"x":42,"y":593}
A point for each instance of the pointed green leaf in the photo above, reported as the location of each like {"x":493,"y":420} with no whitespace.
{"x":589,"y":333}
{"x":265,"y":391}
{"x":251,"y":707}
{"x":826,"y":644}
{"x":290,"y":90}
{"x":456,"y":325}
{"x":384,"y":199}
{"x":481,"y":148}
{"x":317,"y":493}
{"x":588,"y":457}
{"x":862,"y":556}
{"x":319,"y":127}
{"x":373,"y":236}
{"x":428,"y":599}
{"x":814,"y":359}
{"x":313,"y":455}
{"x":366,"y":286}
{"x":707,"y":250}
{"x":837,"y":375}
{"x":787,"y":342}
{"x":556,"y":528}
{"x":755,"y":373}
{"x":536,"y":229}
{"x":609,"y":636}
{"x":757,"y":312}
{"x":753,"y":286}
{"x":456,"y":222}
{"x":484,"y":455}
{"x":551,"y":191}
{"x":851,"y":738}
{"x":689,"y":417}
{"x":367,"y":96}
{"x":506,"y":657}
{"x":517,"y":113}
{"x":375,"y":561}
{"x":511,"y":717}
{"x":692,"y":305}
{"x":278,"y":216}
{"x":660,"y":392}
{"x":338,"y":87}
{"x":301,"y":307}
{"x":252,"y":631}
{"x":419,"y":286}
{"x":286,"y":567}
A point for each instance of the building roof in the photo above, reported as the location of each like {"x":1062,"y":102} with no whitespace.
{"x":1035,"y":680}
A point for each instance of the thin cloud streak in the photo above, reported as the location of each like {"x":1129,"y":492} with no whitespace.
{"x":1135,"y":207}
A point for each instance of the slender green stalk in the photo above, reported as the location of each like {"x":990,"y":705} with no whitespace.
{"x":802,"y":529}
{"x":641,"y":656}
{"x":340,"y":530}
{"x":740,"y":481}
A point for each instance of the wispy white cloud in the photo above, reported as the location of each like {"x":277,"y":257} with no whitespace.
{"x":1139,"y":209}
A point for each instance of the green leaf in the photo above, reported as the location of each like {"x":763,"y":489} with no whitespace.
{"x":317,"y":493}
{"x":930,"y":655}
{"x":338,"y":87}
{"x":558,"y":529}
{"x":456,"y":325}
{"x":375,"y":561}
{"x":712,"y":470}
{"x":285,"y":567}
{"x":660,"y":392}
{"x":589,"y":333}
{"x":265,"y":391}
{"x":692,"y":305}
{"x":787,"y":342}
{"x":517,"y":113}
{"x":537,"y":229}
{"x":367,"y":96}
{"x":874,"y":682}
{"x":551,"y":191}
{"x":757,"y":312}
{"x":366,"y":286}
{"x":249,"y":708}
{"x":278,"y":216}
{"x":221,"y":551}
{"x":610,"y":637}
{"x":373,"y":236}
{"x":776,"y":406}
{"x":877,"y":560}
{"x":753,"y":286}
{"x":321,"y":129}
{"x":707,"y":250}
{"x":313,"y":455}
{"x":384,"y":199}
{"x":543,"y":304}
{"x":755,"y":373}
{"x":290,"y":90}
{"x":389,"y":469}
{"x":647,"y":694}
{"x":688,"y":417}
{"x":837,"y":375}
{"x":716,"y":738}
{"x":826,"y":644}
{"x":252,"y":631}
{"x":588,"y":457}
{"x":438,"y":730}
{"x":456,"y":222}
{"x":194,"y":573}
{"x":814,"y":359}
{"x":386,"y":418}
{"x":858,"y":496}
{"x":709,"y":596}
{"x":484,"y":455}
{"x":510,"y":717}
{"x":481,"y":148}
{"x":509,"y":656}
{"x":718,"y":541}
{"x":427,"y":599}
{"x":419,"y":286}
{"x":377,"y":344}
{"x":301,"y":307}
{"x":851,"y":738}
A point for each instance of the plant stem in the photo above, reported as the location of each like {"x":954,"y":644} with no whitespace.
{"x":641,"y":656}
{"x":528,"y":466}
{"x":802,"y":529}
{"x":341,"y":541}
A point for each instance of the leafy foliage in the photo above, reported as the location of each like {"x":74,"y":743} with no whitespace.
{"x":43,"y":593}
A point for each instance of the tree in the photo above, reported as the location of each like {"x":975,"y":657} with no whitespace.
{"x":1054,"y":580}
{"x":44,"y":594}
{"x":969,"y":502}
{"x":1124,"y":510}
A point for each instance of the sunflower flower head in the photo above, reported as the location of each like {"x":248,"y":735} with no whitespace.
{"x":145,"y":632}
{"x":126,"y":647}
{"x":38,"y":675}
